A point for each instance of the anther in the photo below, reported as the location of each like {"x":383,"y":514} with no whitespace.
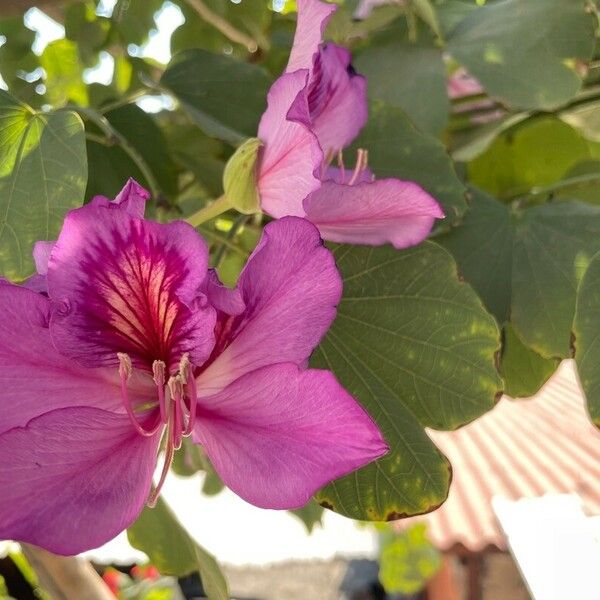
{"x":176,"y":391}
{"x":158,"y":371}
{"x":187,"y":377}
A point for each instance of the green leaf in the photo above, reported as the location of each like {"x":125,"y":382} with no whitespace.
{"x":524,"y":371}
{"x":525,"y":52}
{"x":310,"y":515}
{"x":397,"y":149}
{"x":223,"y":96}
{"x":42,"y":175}
{"x":536,"y":153}
{"x":482,"y":247}
{"x":110,"y":166}
{"x":135,"y":18}
{"x":526,"y":264}
{"x":64,"y":73}
{"x":418,"y":72}
{"x":415,"y":346}
{"x":158,"y":533}
{"x":554,"y":244}
{"x":408,"y":561}
{"x":586,"y":329}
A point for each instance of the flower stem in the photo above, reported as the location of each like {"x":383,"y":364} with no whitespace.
{"x":216,"y":208}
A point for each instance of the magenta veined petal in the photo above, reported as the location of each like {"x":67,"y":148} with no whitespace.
{"x":132,"y":199}
{"x":36,"y":377}
{"x":123,"y":284}
{"x":278,"y":434}
{"x":72,"y":479}
{"x":313,"y":17}
{"x":291,"y":288}
{"x":373,"y":212}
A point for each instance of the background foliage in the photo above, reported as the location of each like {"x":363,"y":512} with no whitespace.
{"x":492,"y":106}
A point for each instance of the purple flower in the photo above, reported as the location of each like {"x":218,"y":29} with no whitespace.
{"x":125,"y":336}
{"x":315,"y":109}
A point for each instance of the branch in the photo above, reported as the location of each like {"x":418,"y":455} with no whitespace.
{"x":66,"y":577}
{"x":222,"y":25}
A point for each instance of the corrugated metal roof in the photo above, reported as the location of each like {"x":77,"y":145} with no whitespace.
{"x":521,"y":448}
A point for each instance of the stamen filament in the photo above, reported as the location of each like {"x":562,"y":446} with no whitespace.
{"x":340,"y":158}
{"x":362,"y":158}
{"x":169,"y":454}
{"x":125,"y":371}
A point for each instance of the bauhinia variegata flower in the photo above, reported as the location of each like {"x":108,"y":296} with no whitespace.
{"x":125,"y":337}
{"x":315,"y":109}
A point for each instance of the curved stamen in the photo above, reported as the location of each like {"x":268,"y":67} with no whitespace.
{"x":192,"y":391}
{"x":341,"y":166}
{"x":158,"y":370}
{"x":176,"y":392}
{"x":169,"y":454}
{"x":362,"y":159}
{"x":125,"y":371}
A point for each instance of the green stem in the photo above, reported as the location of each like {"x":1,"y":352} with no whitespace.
{"x":561,"y":185}
{"x":113,"y":135}
{"x":124,"y":101}
{"x":235,"y":228}
{"x":216,"y":208}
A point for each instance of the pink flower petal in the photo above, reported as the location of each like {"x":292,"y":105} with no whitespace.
{"x":337,"y":99}
{"x":41,"y":255}
{"x":373,"y":213}
{"x":132,"y":198}
{"x":291,"y":288}
{"x":123,"y":284}
{"x":313,"y":17}
{"x":291,"y":154}
{"x":36,"y":378}
{"x":73,"y":478}
{"x":278,"y":434}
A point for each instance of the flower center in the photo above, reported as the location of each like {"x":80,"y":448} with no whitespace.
{"x":177,"y":402}
{"x":344,"y":176}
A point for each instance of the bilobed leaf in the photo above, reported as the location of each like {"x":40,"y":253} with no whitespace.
{"x":554,"y":244}
{"x":525,"y":52}
{"x":586,"y":331}
{"x":158,"y":533}
{"x":43,"y":174}
{"x":482,"y":246}
{"x":397,"y":149}
{"x":224,"y":96}
{"x":526,"y":264}
{"x":523,"y":370}
{"x":416,"y":347}
{"x":418,"y":72}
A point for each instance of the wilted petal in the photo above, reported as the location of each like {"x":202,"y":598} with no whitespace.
{"x":291,"y":288}
{"x":35,"y":378}
{"x":373,"y":213}
{"x":278,"y":434}
{"x":337,"y":98}
{"x":73,"y":478}
{"x":291,"y":154}
{"x":123,"y":284}
{"x":313,"y":17}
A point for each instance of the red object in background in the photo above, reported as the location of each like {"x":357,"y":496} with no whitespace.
{"x":149,"y":572}
{"x":112,"y":580}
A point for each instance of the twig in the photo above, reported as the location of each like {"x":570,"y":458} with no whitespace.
{"x":222,"y":25}
{"x":113,"y":135}
{"x":66,"y":577}
{"x":235,"y":227}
